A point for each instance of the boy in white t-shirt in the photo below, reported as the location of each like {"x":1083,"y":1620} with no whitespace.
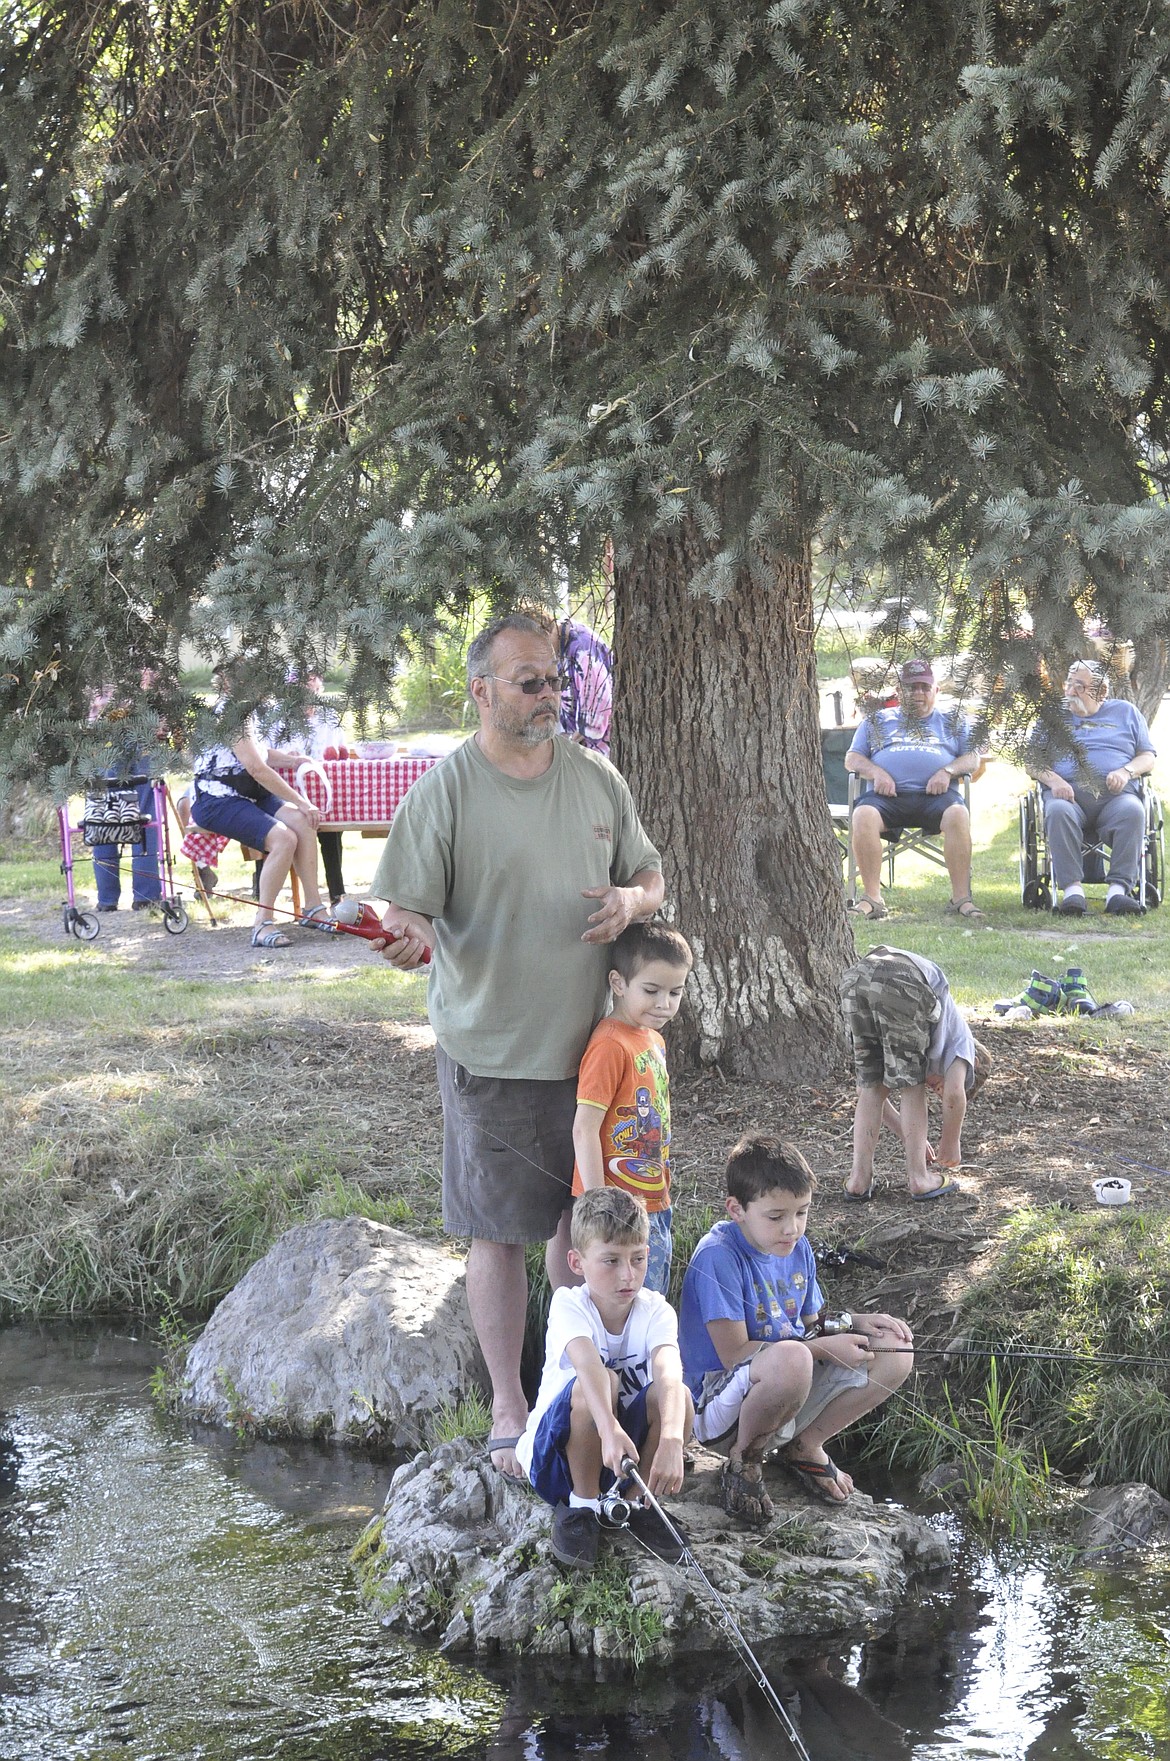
{"x":612,"y":1385}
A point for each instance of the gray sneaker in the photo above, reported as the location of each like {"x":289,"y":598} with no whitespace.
{"x":575,"y":1536}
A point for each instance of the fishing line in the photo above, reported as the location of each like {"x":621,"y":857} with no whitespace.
{"x":730,"y":1624}
{"x":1022,"y":1353}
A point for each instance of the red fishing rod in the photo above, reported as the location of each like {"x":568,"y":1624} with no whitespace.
{"x":350,"y":917}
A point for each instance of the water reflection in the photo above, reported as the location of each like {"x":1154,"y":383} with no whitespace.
{"x":168,"y":1594}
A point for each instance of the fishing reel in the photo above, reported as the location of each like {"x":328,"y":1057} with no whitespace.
{"x":615,"y":1509}
{"x":826,"y":1326}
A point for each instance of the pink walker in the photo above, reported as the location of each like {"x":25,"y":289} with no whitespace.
{"x":111,"y":815}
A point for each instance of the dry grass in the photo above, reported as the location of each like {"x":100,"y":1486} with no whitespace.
{"x":161,"y":1172}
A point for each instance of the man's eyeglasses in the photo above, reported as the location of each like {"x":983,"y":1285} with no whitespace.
{"x":534,"y":686}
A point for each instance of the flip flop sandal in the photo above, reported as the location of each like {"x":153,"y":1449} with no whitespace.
{"x":871,"y":909}
{"x":816,"y":1477}
{"x":266,"y":935}
{"x":494,"y":1443}
{"x":742,"y":1493}
{"x":943,"y":1191}
{"x":856,"y":1198}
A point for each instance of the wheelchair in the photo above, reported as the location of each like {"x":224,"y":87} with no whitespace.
{"x":1036,"y":868}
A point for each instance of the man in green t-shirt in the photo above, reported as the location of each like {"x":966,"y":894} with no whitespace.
{"x":515,"y":860}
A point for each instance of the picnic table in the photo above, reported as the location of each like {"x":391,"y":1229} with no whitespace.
{"x":355,"y":794}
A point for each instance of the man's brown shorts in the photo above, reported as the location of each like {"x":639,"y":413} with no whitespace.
{"x":891,"y":1012}
{"x":507,"y":1153}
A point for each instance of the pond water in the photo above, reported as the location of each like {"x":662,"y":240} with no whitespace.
{"x":166,"y":1594}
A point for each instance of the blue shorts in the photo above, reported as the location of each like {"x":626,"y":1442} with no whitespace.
{"x":911,"y":809}
{"x":236,"y":816}
{"x":549,"y":1471}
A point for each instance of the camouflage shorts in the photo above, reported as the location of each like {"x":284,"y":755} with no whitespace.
{"x":890,"y":1012}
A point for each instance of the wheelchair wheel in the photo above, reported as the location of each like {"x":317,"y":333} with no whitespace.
{"x":85,"y":926}
{"x":1035,"y":892}
{"x":1155,"y":855}
{"x":175,"y":919}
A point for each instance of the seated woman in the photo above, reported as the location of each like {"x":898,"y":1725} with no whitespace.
{"x":1091,"y":789}
{"x":239,"y":795}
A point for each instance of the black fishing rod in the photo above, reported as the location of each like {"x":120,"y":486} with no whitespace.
{"x":735,"y":1632}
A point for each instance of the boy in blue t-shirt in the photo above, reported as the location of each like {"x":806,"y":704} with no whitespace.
{"x":759,"y":1368}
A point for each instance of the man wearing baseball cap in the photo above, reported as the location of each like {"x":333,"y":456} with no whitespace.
{"x":909,"y":758}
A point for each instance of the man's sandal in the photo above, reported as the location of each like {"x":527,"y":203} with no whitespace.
{"x":266,"y":935}
{"x":964,"y":908}
{"x":816,"y":1477}
{"x":498,"y":1445}
{"x":742,"y":1493}
{"x":871,"y":909}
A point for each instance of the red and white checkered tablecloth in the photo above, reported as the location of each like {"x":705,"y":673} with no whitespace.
{"x":365,"y":791}
{"x":203,"y":848}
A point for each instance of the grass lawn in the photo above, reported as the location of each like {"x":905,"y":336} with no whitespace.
{"x":1121,"y":958}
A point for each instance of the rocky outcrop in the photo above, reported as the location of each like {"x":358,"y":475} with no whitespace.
{"x":460,"y":1555}
{"x":346,"y":1329}
{"x":1116,"y":1519}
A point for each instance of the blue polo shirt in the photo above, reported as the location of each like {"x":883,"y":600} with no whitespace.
{"x":1102,"y":742}
{"x":911,"y":750}
{"x":729,"y":1280}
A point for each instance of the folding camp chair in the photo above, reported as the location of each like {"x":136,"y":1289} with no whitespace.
{"x":912,"y":842}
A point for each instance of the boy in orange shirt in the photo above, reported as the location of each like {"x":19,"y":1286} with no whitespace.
{"x":621,"y":1132}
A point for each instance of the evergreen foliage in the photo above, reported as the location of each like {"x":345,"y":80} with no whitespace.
{"x":316,"y":318}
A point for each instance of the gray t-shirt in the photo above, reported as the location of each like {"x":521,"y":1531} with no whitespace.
{"x":952,"y":1038}
{"x":500,"y":863}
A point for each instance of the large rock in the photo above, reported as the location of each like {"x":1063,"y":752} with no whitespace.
{"x":346,"y":1329}
{"x":1117,"y":1519}
{"x":461,"y":1555}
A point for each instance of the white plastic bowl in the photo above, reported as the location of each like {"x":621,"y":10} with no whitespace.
{"x":1113,"y":1191}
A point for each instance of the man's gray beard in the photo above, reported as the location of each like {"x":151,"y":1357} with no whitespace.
{"x":527,"y":733}
{"x":535,"y":733}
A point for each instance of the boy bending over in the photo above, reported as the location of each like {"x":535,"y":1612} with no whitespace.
{"x":908,"y":1036}
{"x":760,"y":1372}
{"x":612,"y":1384}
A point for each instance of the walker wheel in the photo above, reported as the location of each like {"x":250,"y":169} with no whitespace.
{"x":175,"y":919}
{"x":85,"y":926}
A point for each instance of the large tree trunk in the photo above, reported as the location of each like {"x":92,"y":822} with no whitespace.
{"x":717,"y":729}
{"x":1149,"y":676}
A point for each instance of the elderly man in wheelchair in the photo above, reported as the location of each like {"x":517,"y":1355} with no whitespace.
{"x":1092,"y":792}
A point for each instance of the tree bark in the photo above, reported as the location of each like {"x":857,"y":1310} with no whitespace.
{"x":1149,"y":676}
{"x":717,"y":730}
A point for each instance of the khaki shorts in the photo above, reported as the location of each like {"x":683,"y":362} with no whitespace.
{"x":890,"y":1012}
{"x":724,"y":1392}
{"x":507,"y":1153}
